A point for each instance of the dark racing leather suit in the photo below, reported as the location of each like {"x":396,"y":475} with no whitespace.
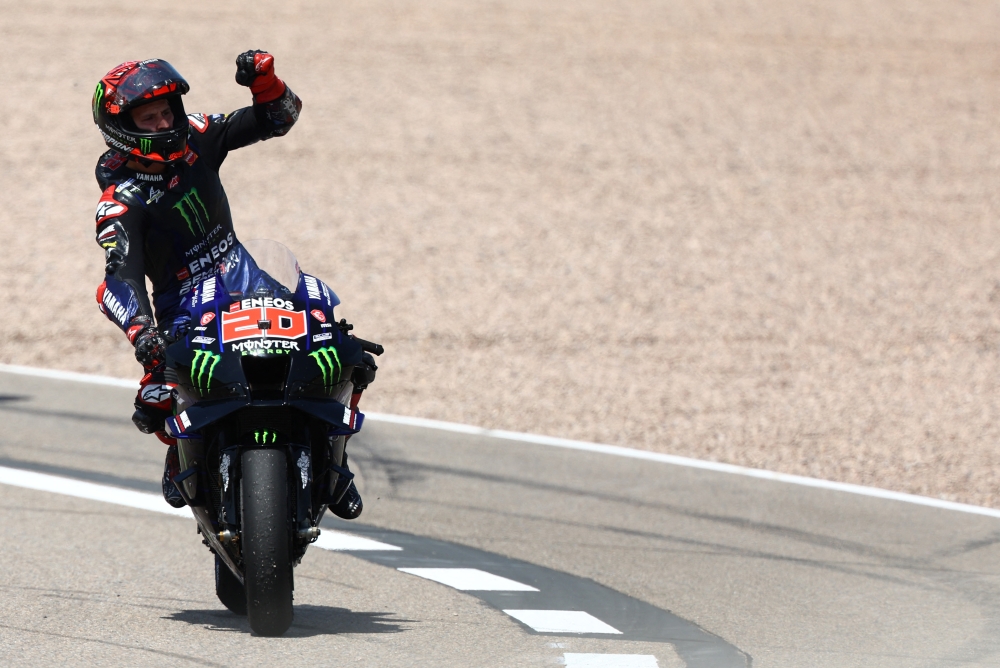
{"x":174,"y":226}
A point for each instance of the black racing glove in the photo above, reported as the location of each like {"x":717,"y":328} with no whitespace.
{"x":246,"y":69}
{"x":150,"y":347}
{"x":256,"y":69}
{"x":364,"y":373}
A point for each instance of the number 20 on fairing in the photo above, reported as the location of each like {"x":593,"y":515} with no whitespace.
{"x":242,"y":324}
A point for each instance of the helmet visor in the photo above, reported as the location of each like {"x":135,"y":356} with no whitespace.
{"x":148,"y":81}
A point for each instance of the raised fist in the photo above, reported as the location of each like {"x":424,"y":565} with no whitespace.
{"x":247,"y":67}
{"x":255,"y":69}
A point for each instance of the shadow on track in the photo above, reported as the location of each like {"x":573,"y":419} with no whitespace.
{"x":310,"y":620}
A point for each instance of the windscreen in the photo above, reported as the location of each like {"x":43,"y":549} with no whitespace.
{"x":259,"y":268}
{"x":276,"y":260}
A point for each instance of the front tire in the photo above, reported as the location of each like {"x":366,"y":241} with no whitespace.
{"x":266,"y":543}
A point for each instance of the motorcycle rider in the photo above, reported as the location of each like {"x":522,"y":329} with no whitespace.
{"x":163,"y":211}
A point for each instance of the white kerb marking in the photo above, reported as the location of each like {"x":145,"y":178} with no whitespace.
{"x":468,"y":579}
{"x":87,"y":490}
{"x":600,"y":448}
{"x":610,"y":661}
{"x":561,"y":621}
{"x":43,"y":482}
{"x":338,"y":541}
{"x":55,"y":374}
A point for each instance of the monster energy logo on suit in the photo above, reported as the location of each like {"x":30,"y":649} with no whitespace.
{"x":325,"y":359}
{"x":204,"y":361}
{"x":188,"y":206}
{"x":145,"y":145}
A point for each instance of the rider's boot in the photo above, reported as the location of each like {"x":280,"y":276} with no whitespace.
{"x":350,"y":505}
{"x":171,"y":468}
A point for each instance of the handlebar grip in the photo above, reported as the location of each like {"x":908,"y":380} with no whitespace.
{"x":369,"y":347}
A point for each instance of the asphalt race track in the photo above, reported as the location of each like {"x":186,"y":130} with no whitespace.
{"x":475,"y":551}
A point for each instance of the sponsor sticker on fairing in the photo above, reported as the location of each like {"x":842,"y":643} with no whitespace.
{"x":207,"y":318}
{"x":266,"y":345}
{"x":207,"y":340}
{"x":319,"y":315}
{"x":325,"y":336}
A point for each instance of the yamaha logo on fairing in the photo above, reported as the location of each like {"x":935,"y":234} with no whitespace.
{"x":208,"y":291}
{"x":312,"y":287}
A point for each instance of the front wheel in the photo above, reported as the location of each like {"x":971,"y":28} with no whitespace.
{"x":266,"y":542}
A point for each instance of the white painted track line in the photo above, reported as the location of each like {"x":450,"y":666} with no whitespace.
{"x":467,"y":579}
{"x":561,"y":621}
{"x":328,"y":540}
{"x":610,"y":661}
{"x":88,"y":490}
{"x":55,"y":374}
{"x":338,"y":541}
{"x":613,"y":450}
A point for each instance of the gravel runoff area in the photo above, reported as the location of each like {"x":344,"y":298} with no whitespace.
{"x":763,"y":233}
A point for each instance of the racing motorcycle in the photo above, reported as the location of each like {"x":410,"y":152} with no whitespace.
{"x":262,"y":408}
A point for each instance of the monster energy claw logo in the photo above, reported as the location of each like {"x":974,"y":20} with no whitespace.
{"x":192,"y":208}
{"x":145,"y":145}
{"x":262,"y":437}
{"x":325,"y":359}
{"x":98,"y":96}
{"x":202,"y":369}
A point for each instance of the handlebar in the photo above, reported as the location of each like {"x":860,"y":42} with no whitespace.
{"x":369,"y":347}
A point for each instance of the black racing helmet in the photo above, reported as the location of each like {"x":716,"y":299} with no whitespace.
{"x":132,"y":85}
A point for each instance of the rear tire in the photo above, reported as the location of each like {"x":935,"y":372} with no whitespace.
{"x":229,"y":590}
{"x":266,"y":542}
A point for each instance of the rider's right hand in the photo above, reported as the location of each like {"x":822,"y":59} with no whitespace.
{"x":255,"y":69}
{"x":150,"y":347}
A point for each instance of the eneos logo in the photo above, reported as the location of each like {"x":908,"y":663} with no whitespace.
{"x":243,"y":324}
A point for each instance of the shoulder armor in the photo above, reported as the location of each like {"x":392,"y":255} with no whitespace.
{"x":199,"y":122}
{"x":109,"y":207}
{"x":107,"y":166}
